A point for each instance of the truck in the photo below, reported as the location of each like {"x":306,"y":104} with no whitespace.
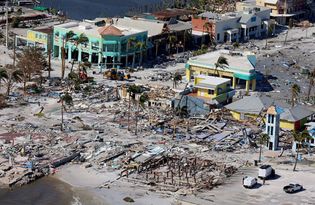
{"x":266,"y":172}
{"x":249,"y":182}
{"x":292,"y":188}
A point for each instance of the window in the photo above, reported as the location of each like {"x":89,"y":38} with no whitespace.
{"x":272,"y":118}
{"x":268,"y":130}
{"x":218,"y":37}
{"x":253,"y":19}
{"x":211,"y":92}
{"x":220,"y":90}
{"x":271,"y":130}
{"x":262,"y":26}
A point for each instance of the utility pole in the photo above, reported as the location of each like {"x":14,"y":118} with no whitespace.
{"x":7,"y":24}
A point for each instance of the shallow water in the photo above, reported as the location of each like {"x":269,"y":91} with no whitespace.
{"x":45,"y":191}
{"x":79,"y":9}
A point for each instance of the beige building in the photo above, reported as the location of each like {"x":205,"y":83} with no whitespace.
{"x":283,"y":10}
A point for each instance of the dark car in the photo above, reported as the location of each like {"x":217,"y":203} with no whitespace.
{"x":292,"y":188}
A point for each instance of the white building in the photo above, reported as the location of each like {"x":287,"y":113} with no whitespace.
{"x":252,"y":22}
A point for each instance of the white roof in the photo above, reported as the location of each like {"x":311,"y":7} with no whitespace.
{"x":212,"y":80}
{"x":90,"y":29}
{"x":237,"y":63}
{"x":153,"y":27}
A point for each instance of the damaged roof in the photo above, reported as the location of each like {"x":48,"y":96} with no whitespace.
{"x":255,"y":104}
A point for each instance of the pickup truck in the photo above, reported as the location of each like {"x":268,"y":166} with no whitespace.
{"x":292,"y":188}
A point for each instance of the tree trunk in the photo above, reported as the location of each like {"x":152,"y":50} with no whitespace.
{"x":260,"y":149}
{"x":49,"y":59}
{"x":24,"y":86}
{"x":63,"y":61}
{"x":129,"y":112}
{"x":137,"y":113}
{"x":296,"y":159}
{"x":133,"y":60}
{"x":8,"y":87}
{"x":61,"y":126}
{"x":156,"y":49}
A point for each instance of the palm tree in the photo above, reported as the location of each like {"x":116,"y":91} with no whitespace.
{"x":299,"y":139}
{"x":263,"y":139}
{"x":64,"y":99}
{"x":143,"y":98}
{"x":11,"y":75}
{"x":132,"y":90}
{"x":311,"y":84}
{"x":82,"y":39}
{"x":208,"y":28}
{"x":131,"y":46}
{"x":177,"y":77}
{"x":157,"y":43}
{"x":222,"y":63}
{"x":3,"y":75}
{"x":295,"y":91}
{"x":68,"y":36}
{"x":171,"y":41}
{"x":141,"y":46}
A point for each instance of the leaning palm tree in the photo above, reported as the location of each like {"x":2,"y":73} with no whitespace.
{"x":299,"y":139}
{"x":67,"y":37}
{"x":3,"y":75}
{"x":311,"y":83}
{"x":263,"y":139}
{"x":12,"y":75}
{"x":222,"y":63}
{"x":295,"y":91}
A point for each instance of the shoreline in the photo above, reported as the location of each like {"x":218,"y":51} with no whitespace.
{"x":86,"y":186}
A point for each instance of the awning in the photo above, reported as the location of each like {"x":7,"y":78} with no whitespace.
{"x":40,"y":8}
{"x":198,"y":33}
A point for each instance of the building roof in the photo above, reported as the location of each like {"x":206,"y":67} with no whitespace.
{"x":90,"y":29}
{"x":256,"y":104}
{"x":109,"y":31}
{"x":271,"y":1}
{"x":47,"y":30}
{"x":153,"y":27}
{"x":171,"y":13}
{"x":210,"y":81}
{"x":240,"y":63}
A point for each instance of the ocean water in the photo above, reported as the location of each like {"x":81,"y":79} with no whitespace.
{"x":89,"y":9}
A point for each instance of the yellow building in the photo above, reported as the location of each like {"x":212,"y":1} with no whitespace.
{"x":214,"y":89}
{"x":250,"y":107}
{"x":241,"y":67}
{"x":39,"y":37}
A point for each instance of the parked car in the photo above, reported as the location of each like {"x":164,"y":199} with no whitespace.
{"x":249,"y":182}
{"x":266,"y":172}
{"x":292,"y":188}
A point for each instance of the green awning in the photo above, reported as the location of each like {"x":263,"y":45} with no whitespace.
{"x":40,"y":8}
